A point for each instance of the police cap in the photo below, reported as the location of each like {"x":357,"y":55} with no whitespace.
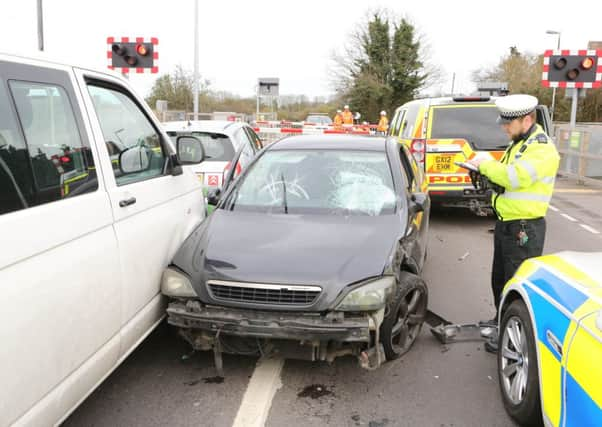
{"x":514,"y":106}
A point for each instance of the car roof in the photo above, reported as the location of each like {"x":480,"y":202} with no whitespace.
{"x":217,"y":126}
{"x":329,"y":142}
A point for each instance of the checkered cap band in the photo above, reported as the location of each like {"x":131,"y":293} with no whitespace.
{"x":514,"y":106}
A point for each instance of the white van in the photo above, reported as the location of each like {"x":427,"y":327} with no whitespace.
{"x":94,"y":202}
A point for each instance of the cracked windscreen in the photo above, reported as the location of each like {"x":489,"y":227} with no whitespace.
{"x":327,"y":182}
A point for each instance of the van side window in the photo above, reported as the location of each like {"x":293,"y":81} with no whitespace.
{"x":125,"y":127}
{"x":407,"y":128}
{"x":401,"y":118}
{"x":47,"y":161}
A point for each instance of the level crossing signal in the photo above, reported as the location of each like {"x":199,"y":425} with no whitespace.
{"x":572,"y":68}
{"x":140,"y":55}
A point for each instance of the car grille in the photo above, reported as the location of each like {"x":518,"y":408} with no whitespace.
{"x":260,"y":293}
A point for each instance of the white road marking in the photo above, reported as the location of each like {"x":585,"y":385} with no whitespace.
{"x":570,"y":218}
{"x":555,"y":209}
{"x":590,"y":229}
{"x":257,"y":400}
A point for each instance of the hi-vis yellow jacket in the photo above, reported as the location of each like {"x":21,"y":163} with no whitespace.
{"x":527,"y":172}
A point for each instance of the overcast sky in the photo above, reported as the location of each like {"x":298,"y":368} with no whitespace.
{"x":293,"y":40}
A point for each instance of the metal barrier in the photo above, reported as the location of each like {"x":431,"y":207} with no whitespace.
{"x":270,"y":132}
{"x":581,"y":152}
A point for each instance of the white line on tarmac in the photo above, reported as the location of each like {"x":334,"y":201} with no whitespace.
{"x":555,"y":209}
{"x":257,"y":400}
{"x":570,"y":218}
{"x":590,"y":229}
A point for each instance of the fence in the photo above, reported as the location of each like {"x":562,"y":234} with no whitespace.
{"x":580,"y":151}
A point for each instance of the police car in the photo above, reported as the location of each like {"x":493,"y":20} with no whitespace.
{"x":550,"y":344}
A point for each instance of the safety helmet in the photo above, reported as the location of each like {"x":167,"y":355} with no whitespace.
{"x":346,"y":107}
{"x":383,"y":113}
{"x":338,"y":111}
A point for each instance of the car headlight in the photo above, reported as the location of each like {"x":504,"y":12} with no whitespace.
{"x":369,"y":297}
{"x":175,"y":284}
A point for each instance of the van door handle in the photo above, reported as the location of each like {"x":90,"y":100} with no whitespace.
{"x":127,"y":202}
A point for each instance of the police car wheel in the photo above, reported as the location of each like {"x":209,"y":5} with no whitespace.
{"x":405,"y":316}
{"x":517,"y":365}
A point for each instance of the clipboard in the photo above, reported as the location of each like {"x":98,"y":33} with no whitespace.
{"x":468,"y":166}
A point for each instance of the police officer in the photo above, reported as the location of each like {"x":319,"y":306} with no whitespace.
{"x":523,"y":183}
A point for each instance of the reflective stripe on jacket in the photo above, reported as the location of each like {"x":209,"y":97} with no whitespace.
{"x":527,"y":172}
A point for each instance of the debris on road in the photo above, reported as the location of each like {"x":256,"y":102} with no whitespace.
{"x":314,"y":391}
{"x":463,"y":257}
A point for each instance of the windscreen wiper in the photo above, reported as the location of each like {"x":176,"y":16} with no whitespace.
{"x":284,"y":204}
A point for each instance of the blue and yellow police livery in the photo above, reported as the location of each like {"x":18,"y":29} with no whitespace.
{"x":550,"y":348}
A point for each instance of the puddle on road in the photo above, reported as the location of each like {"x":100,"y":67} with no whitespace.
{"x":314,"y":391}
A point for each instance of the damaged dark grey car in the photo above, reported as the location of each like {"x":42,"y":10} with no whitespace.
{"x":314,"y":252}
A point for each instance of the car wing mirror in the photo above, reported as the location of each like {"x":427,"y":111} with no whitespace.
{"x":134,"y":159}
{"x":418,"y":202}
{"x":213,"y":196}
{"x":190,"y":150}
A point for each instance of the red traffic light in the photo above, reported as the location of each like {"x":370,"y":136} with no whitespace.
{"x":141,"y":49}
{"x":587,"y":63}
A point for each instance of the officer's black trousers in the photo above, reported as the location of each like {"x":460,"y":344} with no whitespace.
{"x":508,"y":255}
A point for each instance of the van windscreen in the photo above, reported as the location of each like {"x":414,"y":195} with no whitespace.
{"x":475,"y":124}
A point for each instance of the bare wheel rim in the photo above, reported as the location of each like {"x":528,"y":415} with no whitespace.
{"x":410,"y":317}
{"x":514,"y":367}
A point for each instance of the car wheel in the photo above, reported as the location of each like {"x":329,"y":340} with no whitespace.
{"x":517,"y":365}
{"x":405,"y":316}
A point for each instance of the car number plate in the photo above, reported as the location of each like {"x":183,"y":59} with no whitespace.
{"x":444,"y":163}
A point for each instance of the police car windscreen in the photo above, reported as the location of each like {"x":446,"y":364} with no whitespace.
{"x":475,"y":124}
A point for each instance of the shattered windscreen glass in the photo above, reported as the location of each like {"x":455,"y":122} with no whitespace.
{"x":327,"y":182}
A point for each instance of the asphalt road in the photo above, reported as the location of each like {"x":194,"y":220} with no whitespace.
{"x":433,"y":385}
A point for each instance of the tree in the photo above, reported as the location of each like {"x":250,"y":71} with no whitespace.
{"x":177,"y":89}
{"x":381,"y":67}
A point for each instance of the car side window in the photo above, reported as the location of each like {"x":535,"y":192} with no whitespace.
{"x":247,"y":150}
{"x":408,"y":169}
{"x":126,"y":128}
{"x":48,"y":161}
{"x":255,"y":140}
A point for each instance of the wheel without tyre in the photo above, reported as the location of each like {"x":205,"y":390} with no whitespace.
{"x":517,"y":366}
{"x":404,"y":316}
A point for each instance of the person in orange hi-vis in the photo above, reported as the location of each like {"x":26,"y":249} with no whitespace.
{"x":383,"y":123}
{"x":338,"y":118}
{"x":347,"y":116}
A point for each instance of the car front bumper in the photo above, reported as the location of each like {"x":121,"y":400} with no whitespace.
{"x":301,"y":326}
